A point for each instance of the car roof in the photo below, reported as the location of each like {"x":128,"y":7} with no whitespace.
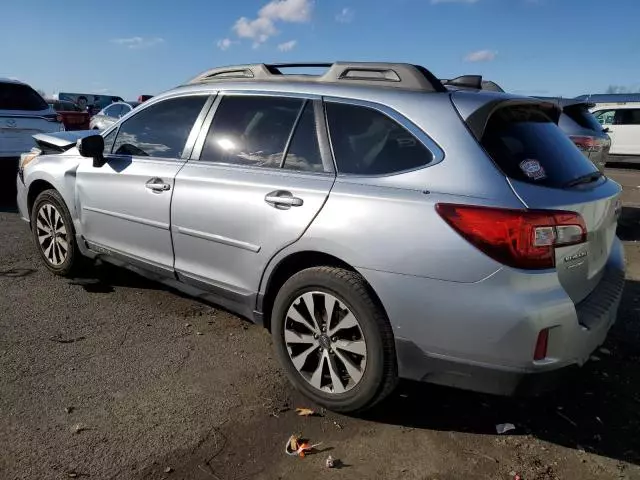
{"x":14,"y":81}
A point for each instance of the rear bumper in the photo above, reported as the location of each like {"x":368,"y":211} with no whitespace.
{"x":418,"y":365}
{"x":482,"y":336}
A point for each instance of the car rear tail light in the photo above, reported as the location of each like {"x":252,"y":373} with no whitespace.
{"x":540,"y":352}
{"x":586,"y":143}
{"x":518,"y":238}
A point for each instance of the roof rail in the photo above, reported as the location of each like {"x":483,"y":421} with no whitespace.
{"x":474,"y":82}
{"x":397,"y":75}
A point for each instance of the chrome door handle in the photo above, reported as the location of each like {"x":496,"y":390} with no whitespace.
{"x":157,"y":185}
{"x":282,"y":199}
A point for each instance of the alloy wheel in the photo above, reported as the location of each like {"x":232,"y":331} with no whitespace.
{"x":325,"y":342}
{"x":52,"y":234}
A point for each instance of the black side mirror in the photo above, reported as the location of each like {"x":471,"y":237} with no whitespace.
{"x":92,"y":147}
{"x":606,"y":130}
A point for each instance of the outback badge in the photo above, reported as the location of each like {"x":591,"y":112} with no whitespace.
{"x":575,"y":256}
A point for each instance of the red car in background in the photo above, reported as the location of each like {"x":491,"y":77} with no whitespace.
{"x":72,"y":116}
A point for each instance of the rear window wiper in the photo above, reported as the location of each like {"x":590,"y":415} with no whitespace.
{"x":588,"y":178}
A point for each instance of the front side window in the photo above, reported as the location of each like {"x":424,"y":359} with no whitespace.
{"x":605,"y":117}
{"x":108,"y":141}
{"x":251,"y":131}
{"x":367,"y":142}
{"x":160,"y":130}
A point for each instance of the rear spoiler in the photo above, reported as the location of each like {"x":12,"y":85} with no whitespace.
{"x":61,"y":141}
{"x":478,"y":117}
{"x":472,"y":82}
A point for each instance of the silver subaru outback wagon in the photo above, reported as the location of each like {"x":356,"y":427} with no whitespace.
{"x":380,"y":226}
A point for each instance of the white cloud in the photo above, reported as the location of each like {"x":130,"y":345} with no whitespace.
{"x":138,"y":42}
{"x":287,"y":46}
{"x":346,"y":15}
{"x":224,"y":44}
{"x":296,"y":11}
{"x":263,"y":27}
{"x":453,"y":1}
{"x":481,"y":56}
{"x":259,"y":29}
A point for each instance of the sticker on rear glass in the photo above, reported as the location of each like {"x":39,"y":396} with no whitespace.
{"x":533,"y":169}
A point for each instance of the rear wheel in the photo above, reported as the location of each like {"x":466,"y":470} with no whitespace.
{"x":333,"y":339}
{"x":54,"y":234}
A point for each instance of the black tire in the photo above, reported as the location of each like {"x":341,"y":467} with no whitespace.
{"x":73,"y":258}
{"x":380,"y":374}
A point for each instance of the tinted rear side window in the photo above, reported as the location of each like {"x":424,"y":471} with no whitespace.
{"x":14,"y":96}
{"x":367,"y":142}
{"x":583,"y":117}
{"x":251,"y":131}
{"x":304,"y":150}
{"x":528,"y":146}
{"x":628,"y":116}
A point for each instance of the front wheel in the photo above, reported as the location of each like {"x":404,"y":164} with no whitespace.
{"x":53,"y":233}
{"x":334,"y":340}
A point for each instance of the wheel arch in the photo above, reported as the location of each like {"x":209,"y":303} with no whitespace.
{"x":36,"y":188}
{"x":293,"y":263}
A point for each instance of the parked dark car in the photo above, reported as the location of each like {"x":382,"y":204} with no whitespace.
{"x":72,"y":116}
{"x":583,"y":129}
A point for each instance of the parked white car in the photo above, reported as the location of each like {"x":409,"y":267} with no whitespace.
{"x":623,"y":124}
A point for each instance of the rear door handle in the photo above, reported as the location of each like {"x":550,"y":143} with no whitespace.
{"x":282,"y":199}
{"x":157,"y":185}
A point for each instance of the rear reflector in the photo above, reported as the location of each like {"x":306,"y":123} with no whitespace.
{"x":540,"y":353}
{"x":518,"y":238}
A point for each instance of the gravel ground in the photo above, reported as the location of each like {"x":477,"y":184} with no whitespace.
{"x":111,"y":376}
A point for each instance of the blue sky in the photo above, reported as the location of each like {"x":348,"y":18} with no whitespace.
{"x":127,"y":48}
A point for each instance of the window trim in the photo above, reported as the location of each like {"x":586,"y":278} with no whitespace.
{"x":404,"y":122}
{"x":191,"y":138}
{"x":323,"y":142}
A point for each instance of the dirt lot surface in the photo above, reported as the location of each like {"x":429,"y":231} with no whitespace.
{"x":114,"y":377}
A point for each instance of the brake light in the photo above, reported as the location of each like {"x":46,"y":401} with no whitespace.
{"x":540,"y":352}
{"x":517,"y":238}
{"x":586,"y":143}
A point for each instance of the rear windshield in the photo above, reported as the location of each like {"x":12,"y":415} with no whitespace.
{"x":583,"y":117}
{"x":14,"y":96}
{"x":528,"y":146}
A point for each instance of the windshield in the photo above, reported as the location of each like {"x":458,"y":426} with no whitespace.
{"x":528,"y":146}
